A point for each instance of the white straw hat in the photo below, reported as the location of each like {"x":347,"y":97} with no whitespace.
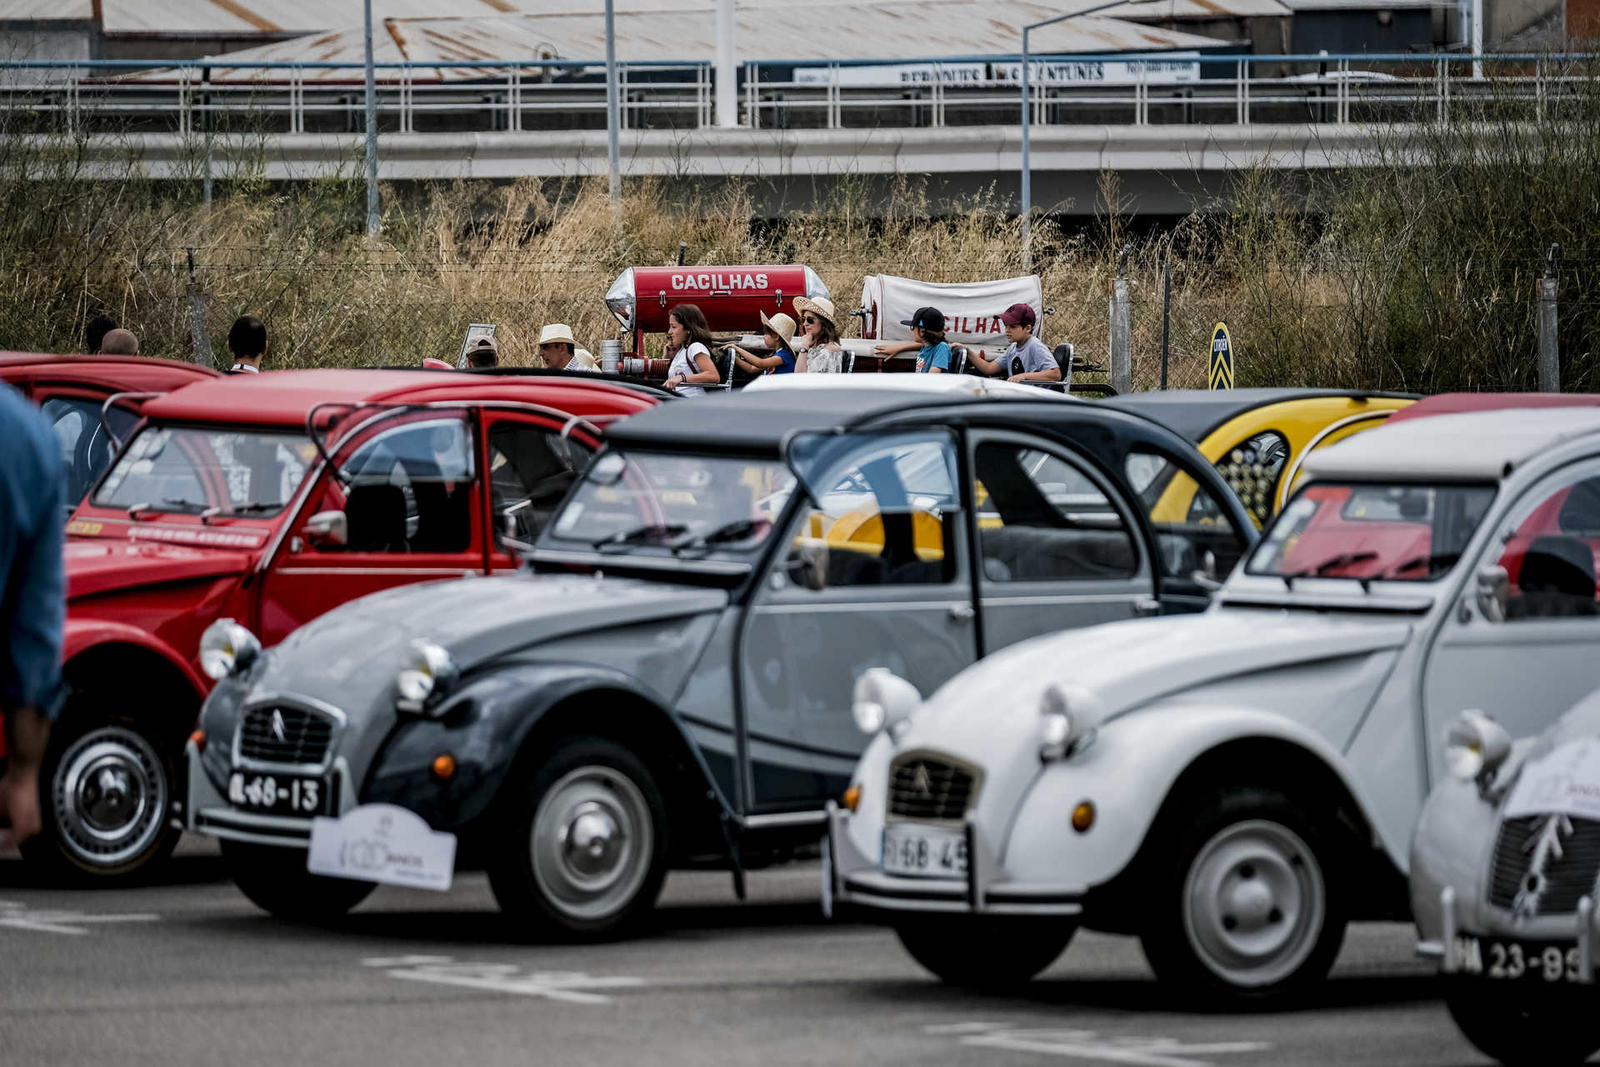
{"x":783,"y":326}
{"x":557,"y":333}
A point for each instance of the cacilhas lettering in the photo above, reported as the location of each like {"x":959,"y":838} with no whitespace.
{"x":715,"y":282}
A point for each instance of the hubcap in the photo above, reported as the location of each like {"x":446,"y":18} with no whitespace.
{"x":1254,"y":903}
{"x":591,"y":843}
{"x":110,"y":797}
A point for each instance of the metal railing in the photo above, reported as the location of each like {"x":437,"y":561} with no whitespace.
{"x":495,"y":96}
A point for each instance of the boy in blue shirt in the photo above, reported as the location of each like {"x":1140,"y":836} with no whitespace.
{"x":927,"y":331}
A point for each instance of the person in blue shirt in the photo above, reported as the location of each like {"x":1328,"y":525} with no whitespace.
{"x":778,"y":334}
{"x":927,"y":337}
{"x":32,"y":602}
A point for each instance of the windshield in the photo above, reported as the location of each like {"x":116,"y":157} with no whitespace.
{"x":1396,"y":532}
{"x":190,"y":470}
{"x":675,"y":501}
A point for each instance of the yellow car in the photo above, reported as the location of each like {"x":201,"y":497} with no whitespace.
{"x":1257,"y":438}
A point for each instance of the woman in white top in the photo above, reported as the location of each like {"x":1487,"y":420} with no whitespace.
{"x":691,"y":369}
{"x":821,"y":352}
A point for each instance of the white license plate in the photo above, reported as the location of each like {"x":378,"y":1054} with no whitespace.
{"x":278,"y":794}
{"x":922,"y":851}
{"x":1543,"y":962}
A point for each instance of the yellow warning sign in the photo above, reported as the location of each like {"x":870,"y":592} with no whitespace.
{"x":1220,"y":375}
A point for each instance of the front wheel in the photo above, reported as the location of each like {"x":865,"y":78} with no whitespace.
{"x":584,"y":849}
{"x":276,"y":880}
{"x":1245,"y":907}
{"x":105,"y":797}
{"x":984,"y":952}
{"x":1545,"y":1028}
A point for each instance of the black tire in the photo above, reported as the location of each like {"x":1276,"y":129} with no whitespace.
{"x":105,"y":799}
{"x":1534,"y":1028}
{"x":1247,"y":905}
{"x":277,"y":882}
{"x":581,"y":846}
{"x":984,"y":952}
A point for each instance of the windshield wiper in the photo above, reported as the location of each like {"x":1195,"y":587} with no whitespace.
{"x":639,"y":533}
{"x":737,"y":530}
{"x":255,"y":509}
{"x":1343,"y":559}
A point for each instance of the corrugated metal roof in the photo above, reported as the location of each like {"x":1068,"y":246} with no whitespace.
{"x":907,"y":28}
{"x":46,"y":10}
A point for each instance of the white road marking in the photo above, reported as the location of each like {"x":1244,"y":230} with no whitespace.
{"x":1087,"y":1045}
{"x":18,"y":917}
{"x":572,"y":987}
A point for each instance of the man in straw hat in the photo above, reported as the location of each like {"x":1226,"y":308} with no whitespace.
{"x":778,"y":332}
{"x":560,"y":352}
{"x":818,"y":348}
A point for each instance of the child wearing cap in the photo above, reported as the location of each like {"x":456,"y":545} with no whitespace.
{"x":927,"y":332}
{"x":1026,"y":359}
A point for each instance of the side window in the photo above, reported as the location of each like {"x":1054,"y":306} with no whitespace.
{"x":1252,"y":469}
{"x":1042,"y":519}
{"x":1188,"y":520}
{"x":891,"y":517}
{"x":408,"y":490}
{"x":530,"y":470}
{"x":1551,"y":549}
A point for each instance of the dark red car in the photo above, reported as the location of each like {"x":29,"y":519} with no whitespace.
{"x":72,"y":390}
{"x":270,"y":501}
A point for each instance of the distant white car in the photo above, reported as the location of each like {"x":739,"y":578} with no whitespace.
{"x":1505,"y":886}
{"x":1234,"y":786}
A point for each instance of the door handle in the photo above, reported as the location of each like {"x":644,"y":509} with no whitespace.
{"x":962,"y":613}
{"x":1147,"y":605}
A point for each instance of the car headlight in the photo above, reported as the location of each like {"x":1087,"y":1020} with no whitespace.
{"x":427,"y":675}
{"x":883,"y":700}
{"x":227,"y":647}
{"x":1476,"y":746}
{"x":1068,"y":718}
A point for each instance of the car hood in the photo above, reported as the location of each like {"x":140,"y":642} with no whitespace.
{"x":350,"y":656}
{"x":108,"y":566}
{"x":1129,"y":665}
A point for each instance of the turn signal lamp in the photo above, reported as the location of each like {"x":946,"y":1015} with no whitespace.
{"x":199,"y":739}
{"x":852,"y":798}
{"x":1083,"y":816}
{"x":444,"y":766}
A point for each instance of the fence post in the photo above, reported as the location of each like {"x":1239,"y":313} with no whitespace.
{"x":1121,"y":329}
{"x":197,"y":317}
{"x":1166,"y":317}
{"x":1549,"y":343}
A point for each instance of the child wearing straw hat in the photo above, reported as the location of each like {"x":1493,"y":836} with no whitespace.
{"x":779,"y":335}
{"x":819,"y":351}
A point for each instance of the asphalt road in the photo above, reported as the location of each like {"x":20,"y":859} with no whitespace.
{"x":189,"y":972}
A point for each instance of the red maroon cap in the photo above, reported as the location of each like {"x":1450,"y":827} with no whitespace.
{"x":1018,"y":315}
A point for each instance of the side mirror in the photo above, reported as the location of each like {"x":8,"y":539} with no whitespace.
{"x":1494,"y":589}
{"x":807,"y":565}
{"x":328,"y":528}
{"x":1206,"y":577}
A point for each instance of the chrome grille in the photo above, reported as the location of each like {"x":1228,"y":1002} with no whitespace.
{"x":1566,"y":880}
{"x":304,"y":737}
{"x":925,"y":788}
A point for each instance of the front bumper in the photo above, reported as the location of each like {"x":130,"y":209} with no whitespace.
{"x":207,"y":811}
{"x":1449,"y":952}
{"x":855,"y":879}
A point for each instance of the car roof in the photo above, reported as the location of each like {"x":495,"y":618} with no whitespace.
{"x":285,"y":398}
{"x":118,"y":373}
{"x":966,"y":385}
{"x":1473,"y":446}
{"x":1195,"y":413}
{"x":1454,"y":403}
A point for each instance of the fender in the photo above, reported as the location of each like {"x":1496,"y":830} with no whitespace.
{"x":82,"y":635}
{"x":484,"y":725}
{"x":1128,"y":773}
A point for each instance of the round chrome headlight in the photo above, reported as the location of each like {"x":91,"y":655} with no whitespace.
{"x":1475,"y":746}
{"x":428,"y":672}
{"x":882,"y":700}
{"x":1055,"y":718}
{"x":226,"y":647}
{"x":1069,"y":720}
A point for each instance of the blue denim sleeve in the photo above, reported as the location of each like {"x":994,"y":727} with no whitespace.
{"x":33,"y":609}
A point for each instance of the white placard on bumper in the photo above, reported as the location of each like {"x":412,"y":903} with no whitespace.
{"x":382,"y":843}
